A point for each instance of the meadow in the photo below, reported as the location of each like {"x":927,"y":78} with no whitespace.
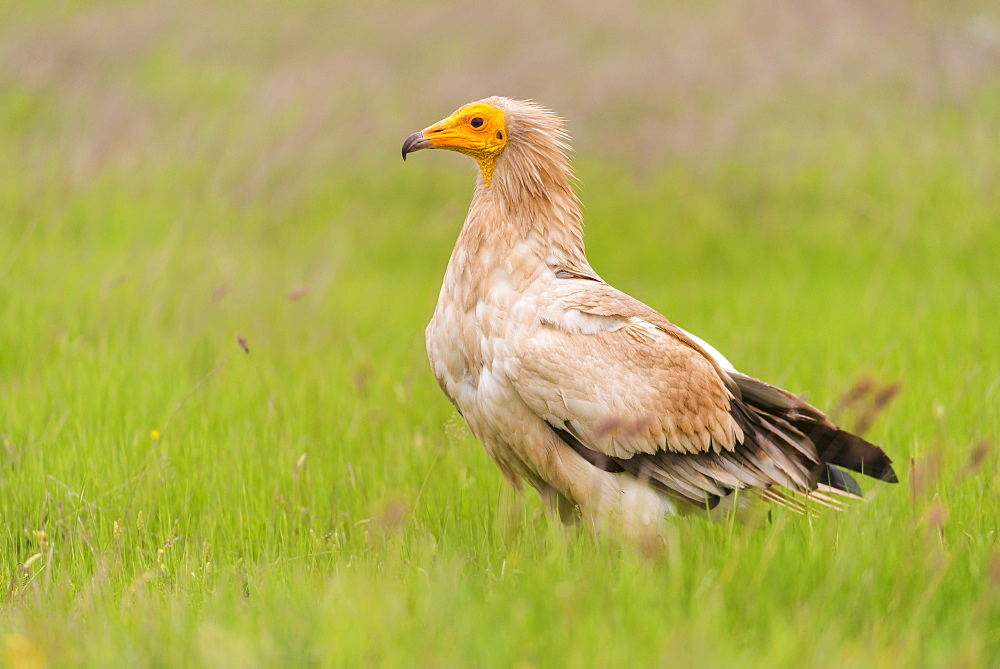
{"x":220,"y":441}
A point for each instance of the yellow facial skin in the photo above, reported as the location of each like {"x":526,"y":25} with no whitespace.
{"x":477,"y":130}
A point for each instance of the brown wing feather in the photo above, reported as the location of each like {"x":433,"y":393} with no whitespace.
{"x":641,"y":397}
{"x":767,"y":456}
{"x":604,"y":300}
{"x":625,"y":391}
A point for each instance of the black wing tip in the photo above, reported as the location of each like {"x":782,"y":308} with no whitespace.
{"x":873,"y":463}
{"x":889,"y":475}
{"x":849,"y":451}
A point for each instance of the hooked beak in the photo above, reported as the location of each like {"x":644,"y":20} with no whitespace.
{"x":415,"y":142}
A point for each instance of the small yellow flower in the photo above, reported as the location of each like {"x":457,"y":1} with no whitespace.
{"x":41,"y":538}
{"x":19,"y":651}
{"x":154,"y":434}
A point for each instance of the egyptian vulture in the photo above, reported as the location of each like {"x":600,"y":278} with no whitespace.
{"x":595,"y":399}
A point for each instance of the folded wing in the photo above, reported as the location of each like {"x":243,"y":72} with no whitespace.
{"x":631,"y":392}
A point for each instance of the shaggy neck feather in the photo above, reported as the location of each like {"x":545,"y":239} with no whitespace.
{"x":530,"y":199}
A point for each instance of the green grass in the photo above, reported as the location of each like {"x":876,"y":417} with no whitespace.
{"x":169,"y":499}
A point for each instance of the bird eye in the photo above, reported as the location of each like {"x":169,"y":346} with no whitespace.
{"x":499,"y":135}
{"x":476,"y":122}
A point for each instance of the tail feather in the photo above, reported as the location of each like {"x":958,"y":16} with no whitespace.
{"x":836,"y":479}
{"x":830,"y":490}
{"x":833,"y":445}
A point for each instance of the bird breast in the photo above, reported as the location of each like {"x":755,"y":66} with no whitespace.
{"x":489,"y":301}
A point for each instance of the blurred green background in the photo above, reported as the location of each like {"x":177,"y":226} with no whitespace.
{"x":812,"y":186}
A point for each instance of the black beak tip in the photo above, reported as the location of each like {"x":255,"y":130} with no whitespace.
{"x":414,"y":142}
